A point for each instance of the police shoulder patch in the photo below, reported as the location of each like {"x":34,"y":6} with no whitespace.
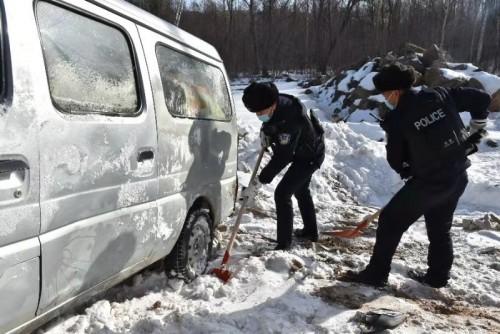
{"x":284,"y":138}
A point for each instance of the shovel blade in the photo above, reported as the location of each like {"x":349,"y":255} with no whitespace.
{"x":350,"y":233}
{"x":223,"y":274}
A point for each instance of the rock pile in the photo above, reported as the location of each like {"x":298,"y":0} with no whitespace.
{"x":352,"y":90}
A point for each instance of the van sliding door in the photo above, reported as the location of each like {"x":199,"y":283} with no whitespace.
{"x":19,"y":181}
{"x":98,"y":151}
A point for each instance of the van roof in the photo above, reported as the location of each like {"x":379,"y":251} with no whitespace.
{"x":148,"y":20}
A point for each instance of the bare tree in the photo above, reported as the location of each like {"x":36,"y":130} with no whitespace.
{"x":446,"y":7}
{"x":496,"y":67}
{"x":258,"y":36}
{"x":178,"y":13}
{"x":480,"y":43}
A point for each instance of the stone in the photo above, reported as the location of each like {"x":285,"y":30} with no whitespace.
{"x":389,"y":58}
{"x":494,"y":218}
{"x":384,"y":319}
{"x":330,"y":82}
{"x":410,"y":48}
{"x":419,"y":77}
{"x":360,"y":93}
{"x":459,"y":67}
{"x":495,"y":266}
{"x":474,"y":83}
{"x":315,"y":82}
{"x":337,"y":95}
{"x":414,"y":63}
{"x":431,"y":55}
{"x":491,"y":143}
{"x":489,"y":221}
{"x":368,"y":104}
{"x":434,"y":77}
{"x":495,"y":102}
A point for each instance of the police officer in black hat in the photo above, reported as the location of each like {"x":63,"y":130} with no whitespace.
{"x":294,"y":137}
{"x":427,"y":144}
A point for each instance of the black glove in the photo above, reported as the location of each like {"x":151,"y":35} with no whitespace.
{"x":384,"y":125}
{"x":476,"y":137}
{"x":405,"y":173}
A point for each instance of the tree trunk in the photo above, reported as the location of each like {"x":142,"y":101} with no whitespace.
{"x":474,"y":32}
{"x":306,"y":39}
{"x":178,"y":14}
{"x":497,"y":52}
{"x":333,"y":42}
{"x":446,"y":6}
{"x":253,"y":33}
{"x":481,"y":35}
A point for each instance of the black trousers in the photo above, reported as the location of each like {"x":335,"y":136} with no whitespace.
{"x":295,"y":182}
{"x":437,"y":201}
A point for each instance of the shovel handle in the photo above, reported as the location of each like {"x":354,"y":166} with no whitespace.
{"x":242,"y":208}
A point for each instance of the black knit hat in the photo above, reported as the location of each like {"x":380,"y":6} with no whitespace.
{"x":394,"y":77}
{"x":259,"y":96}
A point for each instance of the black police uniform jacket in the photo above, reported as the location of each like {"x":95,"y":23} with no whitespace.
{"x":294,"y":136}
{"x":426,"y":137}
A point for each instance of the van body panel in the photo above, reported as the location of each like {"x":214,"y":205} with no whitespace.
{"x":19,"y":304}
{"x":19,"y":282}
{"x":97,"y":194}
{"x":19,"y":170}
{"x":83,"y":254}
{"x":172,"y":212}
{"x":70,"y":303}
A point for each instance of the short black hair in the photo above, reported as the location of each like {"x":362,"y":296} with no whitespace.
{"x":394,"y":77}
{"x":260,"y":95}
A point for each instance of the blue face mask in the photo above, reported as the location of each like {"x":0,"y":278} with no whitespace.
{"x":264,"y":118}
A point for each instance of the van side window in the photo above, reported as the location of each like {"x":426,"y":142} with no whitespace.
{"x":89,"y":64}
{"x":192,"y":88}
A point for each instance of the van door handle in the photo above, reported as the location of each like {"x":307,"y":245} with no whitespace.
{"x":9,"y":166}
{"x":13,"y":175}
{"x":145,"y":155}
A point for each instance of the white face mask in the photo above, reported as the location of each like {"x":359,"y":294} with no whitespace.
{"x":389,"y":105}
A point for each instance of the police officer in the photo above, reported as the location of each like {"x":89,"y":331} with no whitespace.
{"x":427,"y":144}
{"x":295,"y":138}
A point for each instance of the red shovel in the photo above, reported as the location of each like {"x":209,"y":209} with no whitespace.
{"x":358,"y":230}
{"x":222,"y":272}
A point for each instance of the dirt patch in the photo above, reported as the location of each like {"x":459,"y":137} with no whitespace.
{"x":351,"y":296}
{"x":484,"y":317}
{"x":347,"y":246}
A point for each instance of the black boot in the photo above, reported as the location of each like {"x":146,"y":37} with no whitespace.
{"x":364,"y":277}
{"x":426,"y":279}
{"x":304,"y":234}
{"x":282,"y":247}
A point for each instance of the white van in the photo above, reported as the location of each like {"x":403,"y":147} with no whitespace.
{"x":118,"y":147}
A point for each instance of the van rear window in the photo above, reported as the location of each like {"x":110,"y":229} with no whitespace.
{"x":192,"y":88}
{"x":89,"y":64}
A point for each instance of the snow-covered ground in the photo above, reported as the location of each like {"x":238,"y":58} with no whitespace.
{"x":296,"y":291}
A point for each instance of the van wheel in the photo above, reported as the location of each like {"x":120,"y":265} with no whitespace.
{"x":191,"y":253}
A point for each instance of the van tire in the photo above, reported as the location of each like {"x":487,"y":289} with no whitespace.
{"x":189,"y":257}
